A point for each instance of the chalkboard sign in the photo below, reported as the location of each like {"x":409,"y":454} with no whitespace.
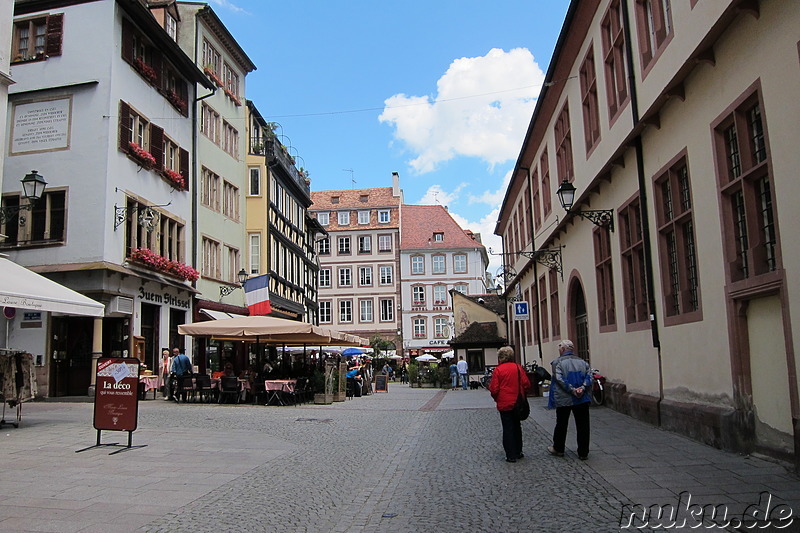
{"x":381,"y":383}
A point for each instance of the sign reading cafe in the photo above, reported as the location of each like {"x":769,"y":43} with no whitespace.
{"x":164,"y":298}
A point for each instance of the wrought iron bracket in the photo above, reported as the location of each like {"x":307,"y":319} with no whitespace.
{"x":548,"y":257}
{"x":599,"y":217}
{"x":148,"y":217}
{"x":9,"y":213}
{"x":225,"y":290}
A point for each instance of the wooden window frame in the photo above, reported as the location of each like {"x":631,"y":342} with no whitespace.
{"x":634,"y":286}
{"x":565,"y":166}
{"x":745,"y":183}
{"x":614,"y":63}
{"x":604,"y":276}
{"x":589,"y":102}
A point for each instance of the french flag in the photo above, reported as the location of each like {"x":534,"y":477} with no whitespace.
{"x":256,"y":293}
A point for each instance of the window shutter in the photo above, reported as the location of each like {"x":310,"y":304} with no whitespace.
{"x":55,"y":31}
{"x":183,"y":92}
{"x":127,"y":41}
{"x":184,"y":160}
{"x":156,"y":62}
{"x":124,"y":131}
{"x":157,"y":145}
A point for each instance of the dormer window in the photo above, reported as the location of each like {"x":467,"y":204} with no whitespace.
{"x":171,"y":25}
{"x":438,"y":237}
{"x":364,"y":198}
{"x":334,"y":199}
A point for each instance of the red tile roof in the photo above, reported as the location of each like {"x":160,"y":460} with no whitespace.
{"x":354,"y":199}
{"x":421,"y":222}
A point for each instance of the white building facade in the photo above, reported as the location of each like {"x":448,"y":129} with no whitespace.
{"x":108,"y":127}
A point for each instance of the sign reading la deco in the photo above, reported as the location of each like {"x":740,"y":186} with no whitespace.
{"x":164,"y":298}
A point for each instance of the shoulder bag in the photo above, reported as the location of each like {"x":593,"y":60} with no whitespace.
{"x":522,"y":408}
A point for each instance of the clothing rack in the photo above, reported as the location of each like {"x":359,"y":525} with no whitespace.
{"x":17,"y":382}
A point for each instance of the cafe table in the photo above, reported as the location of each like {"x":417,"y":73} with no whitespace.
{"x":150,"y":383}
{"x":276,"y":387}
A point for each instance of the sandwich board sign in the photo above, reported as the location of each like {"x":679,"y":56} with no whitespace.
{"x":116,"y":398}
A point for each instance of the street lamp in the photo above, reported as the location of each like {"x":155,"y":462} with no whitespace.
{"x":33,"y":186}
{"x":225,"y":290}
{"x":599,"y":217}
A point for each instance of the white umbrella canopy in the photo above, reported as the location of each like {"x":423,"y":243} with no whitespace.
{"x":448,"y":355}
{"x":427,"y":358}
{"x":395,"y":357}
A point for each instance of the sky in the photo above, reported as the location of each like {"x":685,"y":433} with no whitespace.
{"x":440,"y":91}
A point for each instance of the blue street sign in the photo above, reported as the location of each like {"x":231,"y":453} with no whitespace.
{"x":521,"y":311}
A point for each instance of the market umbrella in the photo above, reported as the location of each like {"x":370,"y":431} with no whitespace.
{"x":269,"y":330}
{"x":448,"y":355}
{"x":427,"y":358}
{"x":352,"y":351}
{"x":395,"y":357}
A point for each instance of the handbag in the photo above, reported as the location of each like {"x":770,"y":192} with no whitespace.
{"x":521,"y":408}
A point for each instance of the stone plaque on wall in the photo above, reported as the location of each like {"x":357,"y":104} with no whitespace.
{"x":41,"y":126}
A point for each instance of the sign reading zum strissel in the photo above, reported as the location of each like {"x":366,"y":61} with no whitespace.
{"x":521,"y":311}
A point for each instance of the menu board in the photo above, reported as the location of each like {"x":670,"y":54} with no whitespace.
{"x":116,"y":399}
{"x":381,"y":383}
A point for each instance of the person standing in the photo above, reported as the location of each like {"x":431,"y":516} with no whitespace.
{"x":509,"y":381}
{"x":463,"y":372}
{"x":570,"y":392}
{"x":181,"y":366}
{"x":166,"y":363}
{"x":453,"y":376}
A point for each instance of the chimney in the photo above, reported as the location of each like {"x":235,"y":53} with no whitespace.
{"x":395,"y":184}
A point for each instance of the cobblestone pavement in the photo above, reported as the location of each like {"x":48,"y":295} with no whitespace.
{"x":408,"y":460}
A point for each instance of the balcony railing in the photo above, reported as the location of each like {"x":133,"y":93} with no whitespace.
{"x":275,"y":152}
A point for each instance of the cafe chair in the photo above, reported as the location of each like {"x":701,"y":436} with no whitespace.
{"x":298,"y":395}
{"x":229,"y":388}
{"x":185,"y":388}
{"x":258,"y":392}
{"x":204,"y":390}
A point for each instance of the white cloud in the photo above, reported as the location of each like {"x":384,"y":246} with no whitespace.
{"x":225,"y":4}
{"x":436,"y":195}
{"x":492,"y":198}
{"x":482,"y":109}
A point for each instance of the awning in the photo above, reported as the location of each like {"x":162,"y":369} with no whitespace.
{"x":269,"y":330}
{"x":219,"y":315}
{"x":22,"y":288}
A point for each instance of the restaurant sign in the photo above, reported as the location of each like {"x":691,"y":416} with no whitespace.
{"x":116,"y":399}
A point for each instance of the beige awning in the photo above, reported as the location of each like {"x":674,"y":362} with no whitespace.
{"x":25,"y":289}
{"x":270,"y":330}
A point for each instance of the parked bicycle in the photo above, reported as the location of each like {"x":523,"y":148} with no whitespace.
{"x":486,"y":378}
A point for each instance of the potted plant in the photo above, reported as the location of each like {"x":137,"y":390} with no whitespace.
{"x":175,"y":178}
{"x":141,"y":155}
{"x":413,"y":374}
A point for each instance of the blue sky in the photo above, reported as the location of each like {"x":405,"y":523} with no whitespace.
{"x":440,"y":91}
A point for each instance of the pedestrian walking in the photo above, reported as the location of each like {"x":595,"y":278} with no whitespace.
{"x":570,"y":392}
{"x":181,"y":366}
{"x":509,"y":381}
{"x":463,"y":372}
{"x":453,"y":376}
{"x":166,"y":364}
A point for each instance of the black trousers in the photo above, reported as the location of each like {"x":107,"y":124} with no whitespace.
{"x":581,"y":414}
{"x":512,"y":434}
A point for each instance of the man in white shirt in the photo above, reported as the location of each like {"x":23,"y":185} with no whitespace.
{"x":463,"y":371}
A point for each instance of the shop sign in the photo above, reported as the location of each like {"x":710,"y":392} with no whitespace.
{"x":164,"y":298}
{"x":31,"y":319}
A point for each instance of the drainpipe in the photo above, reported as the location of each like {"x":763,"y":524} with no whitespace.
{"x":643,"y":207}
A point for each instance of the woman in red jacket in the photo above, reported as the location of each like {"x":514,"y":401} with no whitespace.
{"x":508,"y":382}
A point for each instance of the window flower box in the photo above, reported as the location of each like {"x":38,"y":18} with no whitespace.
{"x":153,"y":261}
{"x":174,"y":178}
{"x":233,"y":97}
{"x":147,"y":72}
{"x":213,"y":75}
{"x":141,"y":155}
{"x":177,"y":101}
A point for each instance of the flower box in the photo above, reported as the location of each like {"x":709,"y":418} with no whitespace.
{"x":213,"y":75}
{"x":147,"y":72}
{"x":153,"y":261}
{"x":174,"y":178}
{"x":177,"y":102}
{"x":141,"y":155}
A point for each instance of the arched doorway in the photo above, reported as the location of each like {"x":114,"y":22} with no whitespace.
{"x":579,"y":320}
